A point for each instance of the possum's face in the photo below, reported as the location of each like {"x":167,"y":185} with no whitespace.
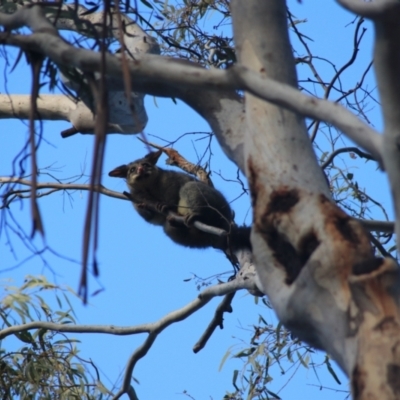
{"x":138,"y":173}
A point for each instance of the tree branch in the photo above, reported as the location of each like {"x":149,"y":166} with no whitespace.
{"x":175,"y":316}
{"x":156,"y":74}
{"x":312,"y":107}
{"x":369,"y":10}
{"x":50,"y":107}
{"x":56,"y":186}
{"x":153,"y":329}
{"x":370,"y":225}
{"x":377,"y":226}
{"x":177,"y":160}
{"x":387,"y":67}
{"x":56,"y":107}
{"x":127,"y":114}
{"x":310,"y":256}
{"x":217,"y":321}
{"x":247,"y":273}
{"x":346,"y":150}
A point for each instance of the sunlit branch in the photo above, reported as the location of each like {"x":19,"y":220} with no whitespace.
{"x":50,"y":107}
{"x":58,"y":107}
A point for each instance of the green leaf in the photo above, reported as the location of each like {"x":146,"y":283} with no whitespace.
{"x":235,"y":375}
{"x":260,"y":318}
{"x":67,"y":341}
{"x":147,"y":4}
{"x":330,"y":369}
{"x":25,"y":337}
{"x":224,"y":358}
{"x":59,"y":301}
{"x":304,"y":361}
{"x":245,"y":353}
{"x":274,"y":395}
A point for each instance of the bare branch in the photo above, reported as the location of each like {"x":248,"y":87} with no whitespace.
{"x":345,"y":150}
{"x":181,"y":220}
{"x":377,"y":226}
{"x":127,"y":114}
{"x":175,"y":316}
{"x":370,"y":225}
{"x":56,"y":107}
{"x":177,"y":160}
{"x":98,"y":189}
{"x":150,"y":75}
{"x":57,"y":186}
{"x":320,"y":109}
{"x":36,"y":62}
{"x":135,"y":39}
{"x":50,"y":107}
{"x":32,"y":17}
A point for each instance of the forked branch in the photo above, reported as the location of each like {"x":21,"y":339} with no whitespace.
{"x":168,"y":77}
{"x":153,"y":329}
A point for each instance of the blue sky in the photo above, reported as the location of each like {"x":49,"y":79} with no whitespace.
{"x":142,"y":271}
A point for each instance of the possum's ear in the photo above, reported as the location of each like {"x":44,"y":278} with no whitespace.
{"x":119,"y":172}
{"x":153,"y":157}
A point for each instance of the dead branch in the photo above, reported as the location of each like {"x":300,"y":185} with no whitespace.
{"x":177,"y":160}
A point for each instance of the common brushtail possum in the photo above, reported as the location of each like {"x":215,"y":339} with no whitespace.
{"x":165,"y":190}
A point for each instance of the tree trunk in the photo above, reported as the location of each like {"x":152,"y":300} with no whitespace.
{"x":315,"y":264}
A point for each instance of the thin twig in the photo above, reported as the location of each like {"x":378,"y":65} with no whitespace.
{"x":346,"y":150}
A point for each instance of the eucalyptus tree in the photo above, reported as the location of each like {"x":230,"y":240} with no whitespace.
{"x":330,"y":281}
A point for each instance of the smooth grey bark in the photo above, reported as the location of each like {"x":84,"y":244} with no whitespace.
{"x":315,"y":263}
{"x":387,"y":70}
